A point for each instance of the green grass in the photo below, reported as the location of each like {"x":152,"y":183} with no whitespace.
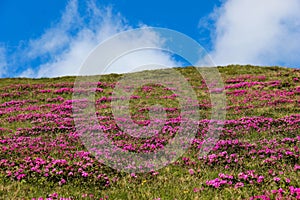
{"x":173,"y":181}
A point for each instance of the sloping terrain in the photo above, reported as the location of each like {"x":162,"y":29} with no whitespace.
{"x":255,"y":157}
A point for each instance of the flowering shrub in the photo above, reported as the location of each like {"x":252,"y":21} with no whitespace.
{"x":256,"y":156}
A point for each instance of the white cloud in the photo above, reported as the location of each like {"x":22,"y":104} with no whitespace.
{"x":28,"y":73}
{"x":135,"y":61}
{"x":3,"y":62}
{"x":68,"y":43}
{"x":132,"y":51}
{"x":257,"y":32}
{"x":57,"y":37}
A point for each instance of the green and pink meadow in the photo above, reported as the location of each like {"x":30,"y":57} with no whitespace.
{"x":256,"y":156}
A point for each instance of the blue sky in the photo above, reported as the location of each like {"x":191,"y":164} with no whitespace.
{"x":52,"y":37}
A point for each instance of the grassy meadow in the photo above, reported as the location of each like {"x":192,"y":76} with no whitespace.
{"x":256,"y":156}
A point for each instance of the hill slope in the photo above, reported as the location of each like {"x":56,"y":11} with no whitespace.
{"x":257,"y":153}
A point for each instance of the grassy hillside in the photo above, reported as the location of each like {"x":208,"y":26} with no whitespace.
{"x":256,"y":156}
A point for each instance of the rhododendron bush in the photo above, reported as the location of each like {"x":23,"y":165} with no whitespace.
{"x":256,"y":156}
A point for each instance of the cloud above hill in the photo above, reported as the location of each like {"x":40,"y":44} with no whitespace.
{"x":260,"y":32}
{"x":68,"y":43}
{"x":242,"y":32}
{"x":3,"y":63}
